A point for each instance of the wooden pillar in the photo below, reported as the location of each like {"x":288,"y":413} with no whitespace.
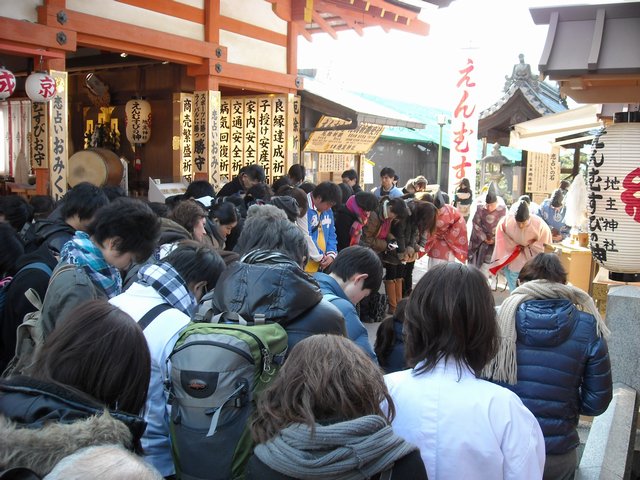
{"x":206,"y":133}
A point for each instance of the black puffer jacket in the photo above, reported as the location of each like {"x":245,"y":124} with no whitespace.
{"x":55,"y":233}
{"x":41,"y":423}
{"x":563,"y":369}
{"x":278,"y":288}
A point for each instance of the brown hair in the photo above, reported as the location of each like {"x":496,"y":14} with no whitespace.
{"x":187,"y":214}
{"x":451,"y":315}
{"x":544,"y":266}
{"x":101,"y":351}
{"x":326,"y":377}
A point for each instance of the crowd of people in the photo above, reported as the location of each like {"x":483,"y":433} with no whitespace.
{"x":97,"y":290}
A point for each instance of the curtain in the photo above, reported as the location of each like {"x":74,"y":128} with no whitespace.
{"x":15,"y":125}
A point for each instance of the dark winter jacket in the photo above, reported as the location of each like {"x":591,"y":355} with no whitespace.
{"x":344,"y":219}
{"x":233,"y":187}
{"x":394,"y":361}
{"x":55,"y":233}
{"x":41,"y":423}
{"x":563,"y":369}
{"x":283,"y":292}
{"x":16,"y":304}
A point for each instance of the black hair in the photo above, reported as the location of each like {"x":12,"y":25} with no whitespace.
{"x":351,"y":174}
{"x":225,"y":213}
{"x":388,"y":172}
{"x":42,"y":205}
{"x":557,"y":198}
{"x":281,"y":182}
{"x":299,"y":195}
{"x":327,"y":192}
{"x":12,"y":249}
{"x":399,"y":207}
{"x":439,"y":201}
{"x":459,"y":326}
{"x":83,"y":200}
{"x":544,"y":266}
{"x":307,"y":187}
{"x":355,"y":260}
{"x":131,"y":222}
{"x":160,"y":209}
{"x":196,"y":262}
{"x":522,"y":211}
{"x":114,"y":191}
{"x":367,"y":201}
{"x":16,"y":211}
{"x":198,"y":189}
{"x":259,"y":191}
{"x":255,"y":173}
{"x":491,"y":194}
{"x":386,"y":333}
{"x":424,"y":215}
{"x":267,"y":228}
{"x":296,"y":173}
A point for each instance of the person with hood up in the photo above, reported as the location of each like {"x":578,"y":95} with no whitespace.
{"x":519,"y":238}
{"x":322,"y":418}
{"x":554,"y":356}
{"x":488,"y":214}
{"x":269,"y":279}
{"x":553,"y":210}
{"x":87,"y":387}
{"x":449,"y":241}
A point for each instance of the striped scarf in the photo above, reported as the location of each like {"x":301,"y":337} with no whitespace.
{"x":170,"y":286}
{"x":504,"y":367}
{"x":81,"y":251}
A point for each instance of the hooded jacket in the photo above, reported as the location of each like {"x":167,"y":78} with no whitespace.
{"x":280,"y":290}
{"x":55,"y":233}
{"x":41,"y":423}
{"x":563,"y":369}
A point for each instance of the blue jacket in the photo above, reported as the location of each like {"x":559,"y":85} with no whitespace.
{"x":326,"y":220}
{"x":563,"y":369}
{"x":356,"y":331}
{"x":555,"y":219}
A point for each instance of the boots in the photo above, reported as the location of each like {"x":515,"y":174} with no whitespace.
{"x":399,"y":292}
{"x":392,"y":296}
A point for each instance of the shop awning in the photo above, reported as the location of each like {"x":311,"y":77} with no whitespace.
{"x":334,"y":102}
{"x":570,"y":127}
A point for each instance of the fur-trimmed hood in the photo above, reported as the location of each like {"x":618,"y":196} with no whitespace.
{"x":42,"y":448}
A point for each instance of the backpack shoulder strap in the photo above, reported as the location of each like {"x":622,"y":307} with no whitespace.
{"x":43,"y":267}
{"x":152,"y":314}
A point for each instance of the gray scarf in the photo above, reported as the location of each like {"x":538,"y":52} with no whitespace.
{"x":355,"y":449}
{"x":504,"y":367}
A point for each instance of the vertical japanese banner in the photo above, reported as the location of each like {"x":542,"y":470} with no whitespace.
{"x":278,"y":137}
{"x":225,"y":140}
{"x":264,"y":134}
{"x":200,"y":131}
{"x":213,"y":136}
{"x":237,"y":135}
{"x":39,"y":135}
{"x":59,"y":146}
{"x":186,"y":137}
{"x":250,"y":133}
{"x":293,"y":130}
{"x":463,"y":151}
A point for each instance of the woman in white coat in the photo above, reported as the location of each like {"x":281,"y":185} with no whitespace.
{"x":464,"y":426}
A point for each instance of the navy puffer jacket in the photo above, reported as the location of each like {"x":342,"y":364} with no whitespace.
{"x":563,"y":369}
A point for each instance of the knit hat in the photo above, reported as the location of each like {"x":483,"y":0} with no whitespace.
{"x":491,"y":194}
{"x":522,"y":213}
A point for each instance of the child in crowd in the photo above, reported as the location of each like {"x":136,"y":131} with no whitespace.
{"x":389,"y":346}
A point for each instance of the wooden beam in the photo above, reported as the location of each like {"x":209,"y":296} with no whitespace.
{"x":136,"y":37}
{"x":302,"y":30}
{"x":171,"y":8}
{"x":282,"y":8}
{"x":324,"y":25}
{"x":27,"y":50}
{"x":212,"y":21}
{"x":34,"y":34}
{"x":243,"y":74}
{"x":246,"y":29}
{"x":292,"y":48}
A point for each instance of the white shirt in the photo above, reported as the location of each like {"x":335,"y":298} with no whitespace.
{"x":161,"y":335}
{"x":466,"y":429}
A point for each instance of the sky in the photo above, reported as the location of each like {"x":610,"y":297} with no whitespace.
{"x":423,"y":70}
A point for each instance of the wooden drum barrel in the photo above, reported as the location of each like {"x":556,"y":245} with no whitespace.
{"x":98,"y":166}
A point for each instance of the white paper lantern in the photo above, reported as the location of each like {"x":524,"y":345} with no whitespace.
{"x":40,"y":87}
{"x":137,"y":120}
{"x":614,"y":198}
{"x":7,"y":83}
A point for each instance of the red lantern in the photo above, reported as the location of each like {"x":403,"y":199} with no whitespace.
{"x":40,"y":87}
{"x":7,"y":83}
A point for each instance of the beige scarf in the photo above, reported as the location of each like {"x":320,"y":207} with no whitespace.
{"x":504,"y":367}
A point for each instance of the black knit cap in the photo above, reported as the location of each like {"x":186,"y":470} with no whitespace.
{"x":522,"y":213}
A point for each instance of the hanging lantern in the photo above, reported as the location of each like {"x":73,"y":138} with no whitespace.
{"x":7,"y":83}
{"x":40,"y":87}
{"x":614,"y":198}
{"x":138,"y":121}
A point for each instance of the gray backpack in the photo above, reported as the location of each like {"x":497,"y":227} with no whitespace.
{"x":219,"y":366}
